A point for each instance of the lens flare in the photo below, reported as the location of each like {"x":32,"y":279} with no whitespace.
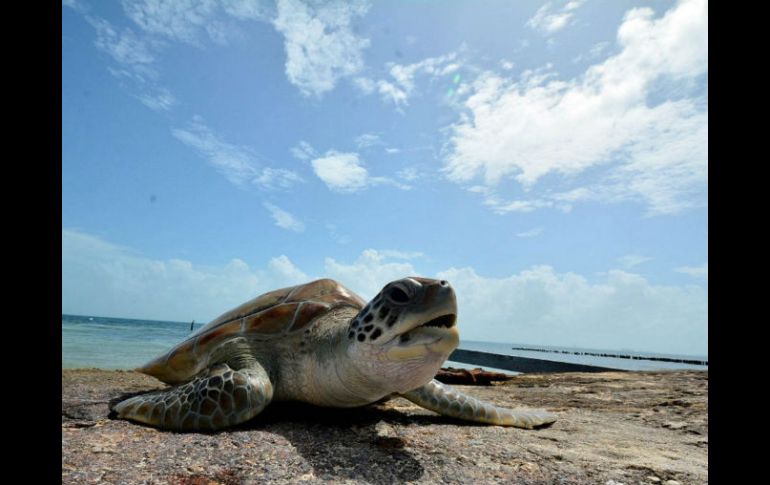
{"x":455,"y":80}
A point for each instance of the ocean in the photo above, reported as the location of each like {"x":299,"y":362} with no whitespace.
{"x":120,"y":343}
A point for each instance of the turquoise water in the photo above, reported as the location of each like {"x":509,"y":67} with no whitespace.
{"x":116,"y":343}
{"x":119,"y":343}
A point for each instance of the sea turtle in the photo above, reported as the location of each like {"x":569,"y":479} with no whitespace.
{"x":319,"y":343}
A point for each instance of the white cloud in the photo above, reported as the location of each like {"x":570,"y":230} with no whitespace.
{"x":134,"y":57}
{"x":365,"y":85}
{"x":699,"y":272}
{"x":273,"y":178}
{"x":596,"y":51}
{"x":369,"y":273}
{"x":537,"y":306}
{"x":125,"y":47}
{"x":410,"y":174}
{"x":284,"y":219}
{"x":344,"y":172}
{"x":631,"y":260}
{"x":239,"y":164}
{"x":516,"y":205}
{"x":534,"y":232}
{"x":234,"y":162}
{"x":402,"y":83}
{"x":404,"y":74}
{"x":341,"y":172}
{"x":284,"y":271}
{"x":303,"y":151}
{"x":391,"y":92}
{"x":501,"y":206}
{"x":74,"y":4}
{"x":368,"y":140}
{"x":320,"y":44}
{"x":161,"y":100}
{"x":250,"y":9}
{"x":395,"y":254}
{"x":101,"y":278}
{"x":186,"y":21}
{"x":194,"y":21}
{"x":549,"y":22}
{"x":179,"y":20}
{"x":636,"y":149}
{"x":506,"y":65}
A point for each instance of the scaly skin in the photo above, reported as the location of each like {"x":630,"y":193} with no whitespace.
{"x":217,"y":398}
{"x":451,"y":402}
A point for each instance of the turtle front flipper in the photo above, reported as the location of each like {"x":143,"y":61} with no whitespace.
{"x":451,"y":402}
{"x":216,"y":398}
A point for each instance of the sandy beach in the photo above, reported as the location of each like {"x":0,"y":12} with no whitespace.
{"x":614,"y":427}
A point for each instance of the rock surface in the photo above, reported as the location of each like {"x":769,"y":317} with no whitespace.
{"x":612,"y":427}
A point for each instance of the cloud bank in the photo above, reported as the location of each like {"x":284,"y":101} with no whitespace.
{"x":538,"y":305}
{"x":101,"y":278}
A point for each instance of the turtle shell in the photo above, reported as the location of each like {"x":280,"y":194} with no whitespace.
{"x":268,"y":316}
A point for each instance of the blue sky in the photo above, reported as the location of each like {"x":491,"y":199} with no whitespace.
{"x":550,"y":159}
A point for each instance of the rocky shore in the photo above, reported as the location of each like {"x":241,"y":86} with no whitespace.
{"x":613,"y":428}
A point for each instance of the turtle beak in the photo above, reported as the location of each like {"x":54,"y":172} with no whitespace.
{"x":437,"y":308}
{"x":432,"y":323}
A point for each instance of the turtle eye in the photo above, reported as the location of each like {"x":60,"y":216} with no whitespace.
{"x":398,"y":295}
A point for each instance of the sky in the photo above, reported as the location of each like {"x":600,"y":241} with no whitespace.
{"x":548,"y":159}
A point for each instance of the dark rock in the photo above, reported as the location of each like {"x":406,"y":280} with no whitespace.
{"x":472,"y":377}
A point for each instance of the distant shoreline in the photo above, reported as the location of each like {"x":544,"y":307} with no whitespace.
{"x":618,"y":356}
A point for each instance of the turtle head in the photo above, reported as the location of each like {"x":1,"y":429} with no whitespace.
{"x":401,"y":338}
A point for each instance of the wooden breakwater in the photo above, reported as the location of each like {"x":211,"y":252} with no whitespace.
{"x":618,"y":356}
{"x":521,"y":364}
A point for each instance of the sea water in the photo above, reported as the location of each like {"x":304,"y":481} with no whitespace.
{"x":120,"y":343}
{"x":116,"y":343}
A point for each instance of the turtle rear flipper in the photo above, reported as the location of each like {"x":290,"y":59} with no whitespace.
{"x":451,"y":402}
{"x":216,"y":398}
